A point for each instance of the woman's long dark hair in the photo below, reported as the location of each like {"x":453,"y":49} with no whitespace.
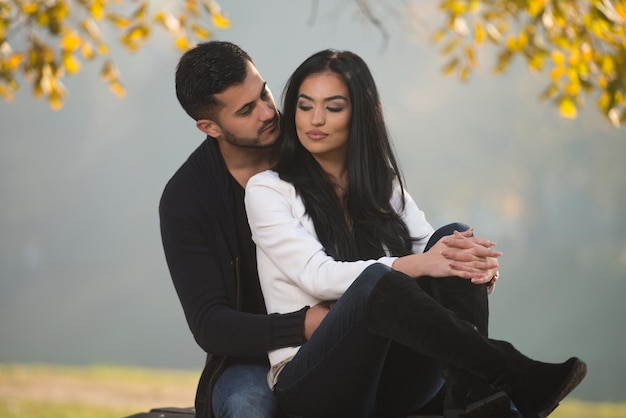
{"x":371,"y":165}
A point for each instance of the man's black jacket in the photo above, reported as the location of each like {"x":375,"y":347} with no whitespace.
{"x":199,"y":234}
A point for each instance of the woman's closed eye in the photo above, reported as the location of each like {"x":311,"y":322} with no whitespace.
{"x":335,"y":109}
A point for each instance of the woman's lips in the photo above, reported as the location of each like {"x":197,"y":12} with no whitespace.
{"x":316,"y":135}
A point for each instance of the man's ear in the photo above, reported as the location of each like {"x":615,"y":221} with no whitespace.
{"x":209,"y":127}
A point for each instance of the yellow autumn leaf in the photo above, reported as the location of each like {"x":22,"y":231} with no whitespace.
{"x":549,"y":92}
{"x":604,"y":102}
{"x":493,"y":33}
{"x":597,"y":27}
{"x":29,"y":7}
{"x":220,"y":21}
{"x":160,"y":17}
{"x":71,"y":64}
{"x":535,"y":7}
{"x":572,"y":88}
{"x":474,"y":5}
{"x":119,"y":21}
{"x":60,"y":10}
{"x":535,"y":62}
{"x":42,"y":19}
{"x":457,"y":7}
{"x":607,"y":64}
{"x":562,"y":42}
{"x":200,"y":32}
{"x":192,"y":7}
{"x":13,"y":62}
{"x":182,"y":43}
{"x":103,"y":49}
{"x":92,"y":29}
{"x":504,"y":59}
{"x":46,"y":81}
{"x":614,"y":118}
{"x":41,"y":54}
{"x":583,"y":71}
{"x":471,"y":56}
{"x":512,"y":44}
{"x":213,"y":8}
{"x":567,"y":108}
{"x":557,"y":57}
{"x":140,"y":13}
{"x":574,"y":58}
{"x":6,"y":93}
{"x":96,"y":10}
{"x":136,"y":34}
{"x":586,"y":51}
{"x":479,"y":33}
{"x":37,"y":90}
{"x":464,"y":73}
{"x":116,"y":87}
{"x":438,"y":36}
{"x":620,"y":9}
{"x":55,"y":101}
{"x":109,"y":72}
{"x":87,"y":50}
{"x":449,"y":68}
{"x":450,"y":46}
{"x":169,"y":22}
{"x":522,"y":40}
{"x":70,"y":41}
{"x":459,"y":26}
{"x":556,"y":73}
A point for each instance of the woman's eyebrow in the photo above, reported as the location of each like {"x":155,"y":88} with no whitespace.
{"x":327,"y":99}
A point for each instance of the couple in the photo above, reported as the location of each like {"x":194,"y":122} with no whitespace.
{"x":371,"y":312}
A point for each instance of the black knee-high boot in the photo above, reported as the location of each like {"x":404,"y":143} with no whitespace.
{"x":465,"y":394}
{"x":400,"y":310}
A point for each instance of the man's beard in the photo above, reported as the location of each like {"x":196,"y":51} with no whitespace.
{"x":253,"y":142}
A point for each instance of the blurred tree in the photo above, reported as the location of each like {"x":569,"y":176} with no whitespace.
{"x":581,"y":42}
{"x":44,"y":40}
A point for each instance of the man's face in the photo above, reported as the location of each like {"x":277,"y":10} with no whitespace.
{"x":248,"y":117}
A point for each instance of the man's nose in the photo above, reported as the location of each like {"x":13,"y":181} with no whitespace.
{"x":268,"y":111}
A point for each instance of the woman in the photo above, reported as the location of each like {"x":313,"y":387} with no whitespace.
{"x":336,"y":198}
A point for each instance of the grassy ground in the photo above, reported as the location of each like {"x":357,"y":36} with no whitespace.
{"x":43,"y":391}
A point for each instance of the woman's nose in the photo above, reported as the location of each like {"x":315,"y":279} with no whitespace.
{"x":317,"y":117}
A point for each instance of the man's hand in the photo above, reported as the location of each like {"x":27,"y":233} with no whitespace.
{"x":314,"y":317}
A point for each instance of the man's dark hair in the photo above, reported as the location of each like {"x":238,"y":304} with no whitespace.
{"x":206,"y":70}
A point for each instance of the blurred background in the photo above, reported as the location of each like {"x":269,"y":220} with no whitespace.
{"x":83,"y":278}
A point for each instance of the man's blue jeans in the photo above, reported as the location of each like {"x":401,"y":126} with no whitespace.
{"x":242,"y":391}
{"x":346,"y":371}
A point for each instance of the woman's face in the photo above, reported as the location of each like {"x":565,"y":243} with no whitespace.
{"x":323,"y":114}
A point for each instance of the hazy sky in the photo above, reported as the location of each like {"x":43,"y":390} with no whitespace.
{"x":82,"y":273}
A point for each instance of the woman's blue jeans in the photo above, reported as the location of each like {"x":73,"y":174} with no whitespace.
{"x":346,"y":371}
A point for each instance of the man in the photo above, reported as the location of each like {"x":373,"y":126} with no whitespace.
{"x":207,"y":240}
